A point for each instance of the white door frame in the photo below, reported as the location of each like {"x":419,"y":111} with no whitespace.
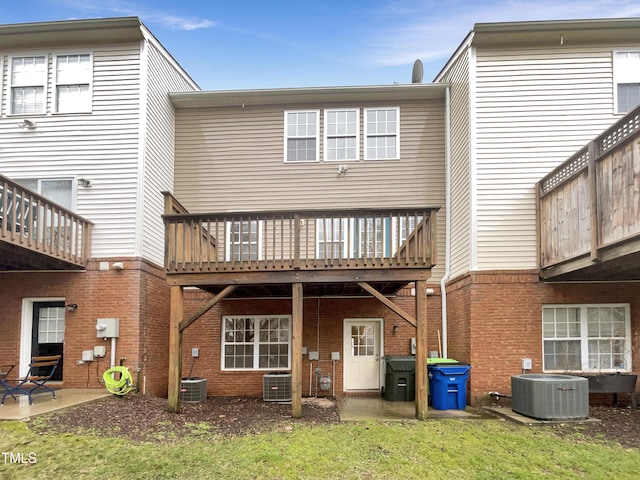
{"x":346,"y":332}
{"x":26,"y":330}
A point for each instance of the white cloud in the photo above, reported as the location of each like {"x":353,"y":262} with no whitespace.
{"x":432,"y":30}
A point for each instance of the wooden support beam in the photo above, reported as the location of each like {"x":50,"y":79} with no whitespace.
{"x":175,"y":349}
{"x":205,"y":308}
{"x":395,"y":308}
{"x":296,"y":350}
{"x":421,"y":351}
{"x":593,"y":203}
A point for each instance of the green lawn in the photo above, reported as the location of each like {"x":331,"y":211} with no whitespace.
{"x":450,"y":450}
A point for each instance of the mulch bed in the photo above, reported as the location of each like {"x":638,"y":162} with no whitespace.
{"x":144,"y":418}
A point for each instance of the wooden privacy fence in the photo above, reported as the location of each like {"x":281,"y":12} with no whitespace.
{"x":299,"y":240}
{"x":592,"y":201}
{"x":37,"y":224}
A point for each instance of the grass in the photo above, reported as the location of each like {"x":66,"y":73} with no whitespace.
{"x":487,"y":449}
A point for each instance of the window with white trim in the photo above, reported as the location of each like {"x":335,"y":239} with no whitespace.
{"x":58,"y":190}
{"x":28,"y":80}
{"x":341,"y":129}
{"x":332,"y":237}
{"x":51,"y":325}
{"x":244,"y":240}
{"x":73,"y":83}
{"x":301,"y":136}
{"x":256,"y":342}
{"x":381,"y":131}
{"x":586,"y":338}
{"x":626,"y":78}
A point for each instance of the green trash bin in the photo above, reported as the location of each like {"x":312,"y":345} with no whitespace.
{"x":400,"y":379}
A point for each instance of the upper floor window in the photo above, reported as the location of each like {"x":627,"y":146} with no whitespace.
{"x":341,"y":128}
{"x":381,"y":133}
{"x":586,"y":338}
{"x":28,"y":81}
{"x":626,"y":77}
{"x":301,"y":136}
{"x":73,"y":81}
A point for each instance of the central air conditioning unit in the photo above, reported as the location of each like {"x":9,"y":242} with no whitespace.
{"x":550,"y":397}
{"x":193,"y":390}
{"x":276,"y":387}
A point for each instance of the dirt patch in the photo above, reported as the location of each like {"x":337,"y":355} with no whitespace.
{"x":144,"y":418}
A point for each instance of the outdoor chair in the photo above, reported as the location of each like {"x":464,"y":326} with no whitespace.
{"x":41,"y":370}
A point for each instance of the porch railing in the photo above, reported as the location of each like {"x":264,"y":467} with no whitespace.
{"x":592,"y":201}
{"x":300,"y":240}
{"x":40,"y":225}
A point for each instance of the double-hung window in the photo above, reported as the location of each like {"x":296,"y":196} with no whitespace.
{"x":73,"y":83}
{"x":28,"y":85}
{"x":381,"y":131}
{"x":254,"y":342}
{"x":333,"y":237}
{"x":301,"y":136}
{"x":626,"y":78}
{"x":341,"y":128}
{"x":586,"y":338}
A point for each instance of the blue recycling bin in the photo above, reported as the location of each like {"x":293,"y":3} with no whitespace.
{"x":448,"y":386}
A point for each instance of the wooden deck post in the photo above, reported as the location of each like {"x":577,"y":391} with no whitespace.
{"x":296,"y":353}
{"x":175,"y":349}
{"x":421,"y":350}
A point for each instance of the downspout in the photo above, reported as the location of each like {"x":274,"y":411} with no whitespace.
{"x":447,"y":247}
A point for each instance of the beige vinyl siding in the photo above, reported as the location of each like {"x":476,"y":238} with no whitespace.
{"x":162,"y":76}
{"x":232,"y":159}
{"x":460,"y":166}
{"x":534,"y":109}
{"x":101,"y":146}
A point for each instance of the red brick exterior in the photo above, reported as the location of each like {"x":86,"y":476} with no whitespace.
{"x":495,"y":320}
{"x":138,"y":296}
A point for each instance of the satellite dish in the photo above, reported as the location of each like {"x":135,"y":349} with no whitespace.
{"x":417,"y":73}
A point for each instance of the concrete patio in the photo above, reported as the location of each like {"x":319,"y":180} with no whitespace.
{"x":377,"y":408}
{"x":20,"y":409}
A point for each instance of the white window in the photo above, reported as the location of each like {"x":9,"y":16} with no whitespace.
{"x":301,"y":136}
{"x":626,"y":78}
{"x":28,"y":81}
{"x":73,"y":83}
{"x":257,"y":342}
{"x":381,"y":131}
{"x":51,"y":325}
{"x":341,"y":132}
{"x":244,"y":240}
{"x":586,"y":338}
{"x":332,"y":237}
{"x":373,"y":237}
{"x":58,"y":190}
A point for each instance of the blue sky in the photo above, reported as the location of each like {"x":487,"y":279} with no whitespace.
{"x":226,"y":44}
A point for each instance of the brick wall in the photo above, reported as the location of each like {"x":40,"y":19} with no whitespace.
{"x":495,"y":320}
{"x":322,"y":331}
{"x":137,"y":296}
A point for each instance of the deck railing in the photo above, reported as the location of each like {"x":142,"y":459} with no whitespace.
{"x":300,"y":240}
{"x":592,"y":201}
{"x":40,"y":225}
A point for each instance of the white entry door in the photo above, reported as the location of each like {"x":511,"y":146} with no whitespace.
{"x":362,"y":354}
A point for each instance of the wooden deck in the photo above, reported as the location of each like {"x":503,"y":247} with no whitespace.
{"x":589,"y":209}
{"x":37,"y":234}
{"x":390,"y":247}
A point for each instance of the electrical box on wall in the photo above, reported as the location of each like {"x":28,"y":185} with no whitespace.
{"x":108,"y":328}
{"x":314,"y":355}
{"x":527,"y":364}
{"x":99,"y":351}
{"x":87,"y":356}
{"x":413,"y":346}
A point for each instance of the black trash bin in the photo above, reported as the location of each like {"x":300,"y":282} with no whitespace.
{"x":400,"y":379}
